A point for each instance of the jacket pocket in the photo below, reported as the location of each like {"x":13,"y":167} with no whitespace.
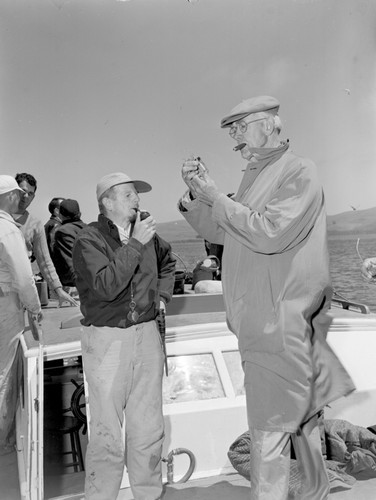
{"x":261,"y":318}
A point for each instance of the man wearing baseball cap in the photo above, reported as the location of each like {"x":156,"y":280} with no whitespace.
{"x":124,"y":276}
{"x":17,"y":291}
{"x":277,"y":291}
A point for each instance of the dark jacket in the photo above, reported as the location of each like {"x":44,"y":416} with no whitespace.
{"x":65,"y":236}
{"x":49,"y":228}
{"x":108,"y":272}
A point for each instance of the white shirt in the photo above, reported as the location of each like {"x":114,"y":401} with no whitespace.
{"x":123,"y":234}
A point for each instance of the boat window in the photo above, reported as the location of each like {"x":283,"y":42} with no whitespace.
{"x":234,"y":367}
{"x":192,"y":377}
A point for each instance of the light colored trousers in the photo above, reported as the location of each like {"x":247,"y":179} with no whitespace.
{"x":270,"y":462}
{"x":124,"y":369}
{"x":11,"y":327}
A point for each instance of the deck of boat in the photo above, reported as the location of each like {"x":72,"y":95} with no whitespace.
{"x":222,"y":487}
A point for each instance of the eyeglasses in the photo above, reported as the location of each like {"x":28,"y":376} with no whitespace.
{"x":242,"y":126}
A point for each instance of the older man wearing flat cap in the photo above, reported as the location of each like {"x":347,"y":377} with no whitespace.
{"x":124,"y":276}
{"x":277,"y":292}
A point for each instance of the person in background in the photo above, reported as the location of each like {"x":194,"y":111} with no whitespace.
{"x":124,"y":276}
{"x":65,"y":236}
{"x":214,"y":249}
{"x":36,"y":243}
{"x":53,"y":222}
{"x":368,"y":270}
{"x":217,"y":250}
{"x":277,"y":291}
{"x":17,"y":290}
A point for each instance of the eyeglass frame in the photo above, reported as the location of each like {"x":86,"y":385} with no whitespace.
{"x":237,"y":125}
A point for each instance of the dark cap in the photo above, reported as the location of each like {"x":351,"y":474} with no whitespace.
{"x":249,"y":106}
{"x":70,"y":208}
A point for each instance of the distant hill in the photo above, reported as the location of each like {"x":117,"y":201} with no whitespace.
{"x":354,"y":222}
{"x":178,"y":230}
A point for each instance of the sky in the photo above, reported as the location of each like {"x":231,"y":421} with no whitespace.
{"x":90,"y":87}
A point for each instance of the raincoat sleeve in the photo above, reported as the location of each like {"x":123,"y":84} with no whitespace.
{"x":200,"y":217}
{"x":14,"y":256}
{"x":43,"y":258}
{"x":284,"y":221}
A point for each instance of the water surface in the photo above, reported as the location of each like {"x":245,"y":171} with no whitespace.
{"x":344,"y":264}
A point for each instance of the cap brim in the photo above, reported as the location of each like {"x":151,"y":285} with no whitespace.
{"x":228,"y":120}
{"x":141,"y":186}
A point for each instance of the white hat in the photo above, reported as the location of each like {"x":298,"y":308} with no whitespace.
{"x":8,"y":183}
{"x":110,"y":180}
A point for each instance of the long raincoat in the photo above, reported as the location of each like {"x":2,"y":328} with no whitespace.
{"x":17,"y":290}
{"x":276,"y":287}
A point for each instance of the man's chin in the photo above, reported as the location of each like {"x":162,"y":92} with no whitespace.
{"x":245,"y":152}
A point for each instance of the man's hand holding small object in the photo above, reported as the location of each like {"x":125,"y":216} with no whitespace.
{"x":193,"y":167}
{"x":144,"y":230}
{"x":37,"y":317}
{"x":202,"y":187}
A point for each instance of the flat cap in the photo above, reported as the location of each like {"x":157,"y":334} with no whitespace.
{"x":70,"y":208}
{"x":249,"y":106}
{"x":8,"y":183}
{"x":111,"y":180}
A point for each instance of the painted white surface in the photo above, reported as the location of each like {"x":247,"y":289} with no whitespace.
{"x":208,"y":427}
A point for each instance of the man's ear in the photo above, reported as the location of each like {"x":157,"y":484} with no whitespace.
{"x":107,"y":203}
{"x":269,"y":126}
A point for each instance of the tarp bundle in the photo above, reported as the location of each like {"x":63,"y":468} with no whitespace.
{"x":349,"y":452}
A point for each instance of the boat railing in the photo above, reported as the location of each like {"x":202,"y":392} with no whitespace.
{"x":342,"y":302}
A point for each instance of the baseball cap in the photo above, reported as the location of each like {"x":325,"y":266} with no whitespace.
{"x":111,"y":180}
{"x":69,"y":208}
{"x":249,"y":106}
{"x":8,"y":183}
